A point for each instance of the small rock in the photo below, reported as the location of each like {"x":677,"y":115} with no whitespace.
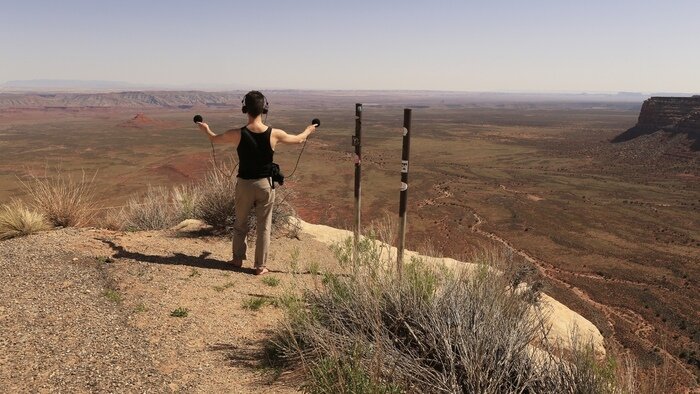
{"x":192,"y":227}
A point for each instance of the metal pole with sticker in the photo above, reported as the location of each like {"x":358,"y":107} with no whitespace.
{"x":357,"y":143}
{"x":404,"y":186}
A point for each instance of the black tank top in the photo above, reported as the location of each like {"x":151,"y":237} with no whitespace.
{"x":254,"y":154}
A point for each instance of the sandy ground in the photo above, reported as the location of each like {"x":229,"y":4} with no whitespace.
{"x":89,"y":311}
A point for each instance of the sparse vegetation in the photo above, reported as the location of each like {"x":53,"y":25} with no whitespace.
{"x":64,"y":201}
{"x":283,"y":214}
{"x":294,"y":260}
{"x":223,"y":287}
{"x":113,"y":296}
{"x":254,"y":303}
{"x":314,"y":268}
{"x":270,"y":281}
{"x":211,"y":200}
{"x":180,"y":312}
{"x":18,"y":220}
{"x":333,"y":374}
{"x":216,"y":198}
{"x":194,"y":273}
{"x":153,"y":211}
{"x":186,"y":199}
{"x":431,"y":330}
{"x":104,"y":259}
{"x":112,"y":219}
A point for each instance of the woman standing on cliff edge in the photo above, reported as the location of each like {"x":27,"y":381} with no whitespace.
{"x":255,"y":144}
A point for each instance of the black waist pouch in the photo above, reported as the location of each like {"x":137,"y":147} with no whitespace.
{"x":276,"y":174}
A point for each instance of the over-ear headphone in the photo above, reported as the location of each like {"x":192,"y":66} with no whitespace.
{"x":266,"y":104}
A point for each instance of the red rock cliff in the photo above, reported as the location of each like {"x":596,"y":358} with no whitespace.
{"x":668,"y":114}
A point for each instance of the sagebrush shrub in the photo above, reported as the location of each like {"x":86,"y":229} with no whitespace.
{"x":154,"y":210}
{"x":431,"y":329}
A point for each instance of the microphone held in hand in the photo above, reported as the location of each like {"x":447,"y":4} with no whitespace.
{"x":316,"y":122}
{"x":198,"y":118}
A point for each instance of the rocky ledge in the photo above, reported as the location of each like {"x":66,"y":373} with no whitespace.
{"x":674,"y":115}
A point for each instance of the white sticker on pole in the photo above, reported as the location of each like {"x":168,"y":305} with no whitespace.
{"x":357,"y":159}
{"x":404,"y":166}
{"x":405,"y":131}
{"x":404,"y":186}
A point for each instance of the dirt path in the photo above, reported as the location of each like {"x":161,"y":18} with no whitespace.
{"x":549,"y":271}
{"x":90,"y":311}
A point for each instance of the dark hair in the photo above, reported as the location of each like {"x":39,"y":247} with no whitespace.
{"x":254,"y":103}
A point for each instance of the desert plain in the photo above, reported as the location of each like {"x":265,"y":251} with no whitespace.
{"x":610,"y":230}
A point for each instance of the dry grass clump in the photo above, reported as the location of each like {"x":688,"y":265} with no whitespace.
{"x":430,"y":330}
{"x":211,"y":200}
{"x":215,"y":201}
{"x":112,"y":218}
{"x":64,"y":200}
{"x":186,"y":199}
{"x":153,"y":211}
{"x":18,"y":220}
{"x":284,"y":214}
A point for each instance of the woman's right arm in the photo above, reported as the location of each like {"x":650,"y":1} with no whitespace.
{"x":231,"y":136}
{"x":283,"y":137}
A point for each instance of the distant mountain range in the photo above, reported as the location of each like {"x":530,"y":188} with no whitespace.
{"x":52,"y":94}
{"x":130,"y":99}
{"x":86,"y":86}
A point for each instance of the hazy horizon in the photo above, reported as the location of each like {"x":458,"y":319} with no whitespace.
{"x":104,"y":86}
{"x":503,"y":46}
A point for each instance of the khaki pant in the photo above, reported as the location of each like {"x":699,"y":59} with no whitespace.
{"x":249,"y":193}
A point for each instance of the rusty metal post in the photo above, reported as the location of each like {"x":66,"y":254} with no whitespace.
{"x":404,"y":187}
{"x":357,"y":143}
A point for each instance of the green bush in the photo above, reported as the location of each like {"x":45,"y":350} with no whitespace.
{"x":180,"y":312}
{"x":345,"y":374}
{"x":430,"y":329}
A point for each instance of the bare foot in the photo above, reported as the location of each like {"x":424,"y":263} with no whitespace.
{"x":237,"y":262}
{"x":261,"y":271}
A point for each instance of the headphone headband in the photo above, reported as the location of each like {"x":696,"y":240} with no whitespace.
{"x":266,"y":104}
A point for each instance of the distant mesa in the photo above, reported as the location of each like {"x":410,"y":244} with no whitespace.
{"x":672,"y":116}
{"x":142,"y":121}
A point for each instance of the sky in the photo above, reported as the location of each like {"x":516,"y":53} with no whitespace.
{"x":497,"y":45}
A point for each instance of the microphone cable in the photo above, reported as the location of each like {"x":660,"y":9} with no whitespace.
{"x":316,"y":122}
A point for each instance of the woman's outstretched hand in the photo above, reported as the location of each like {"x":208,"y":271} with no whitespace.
{"x":203,"y":126}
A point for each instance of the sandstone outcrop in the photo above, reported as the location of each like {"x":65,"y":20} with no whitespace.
{"x":141,"y":121}
{"x":673,"y":115}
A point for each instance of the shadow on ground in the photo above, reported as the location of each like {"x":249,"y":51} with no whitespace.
{"x":254,"y":355}
{"x":201,"y":261}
